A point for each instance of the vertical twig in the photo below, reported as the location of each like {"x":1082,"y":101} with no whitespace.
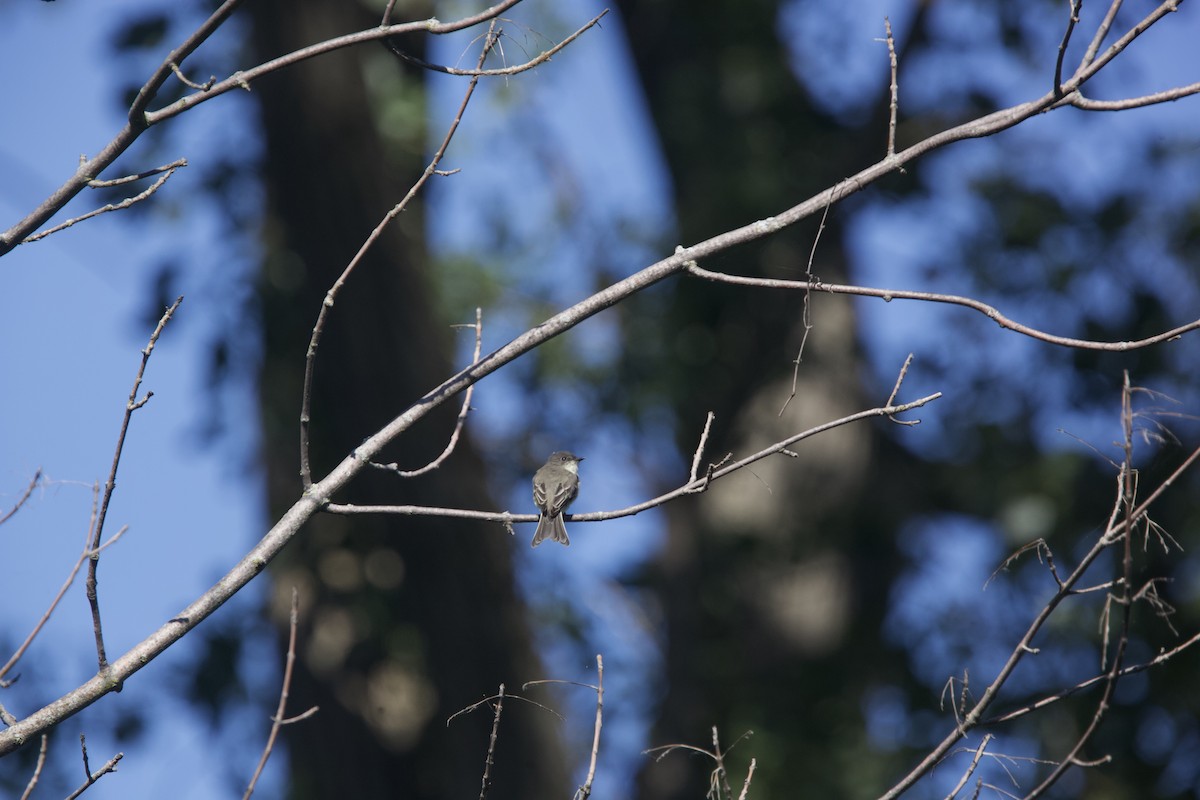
{"x":90,"y":777}
{"x":131,"y":405}
{"x":314,"y":341}
{"x":37,"y":770}
{"x":749,"y":776}
{"x":806,"y":313}
{"x":1128,"y":492}
{"x":699,"y":454}
{"x":490,"y":760}
{"x":1072,"y":21}
{"x":278,"y":721}
{"x":894,"y":105}
{"x":586,"y":789}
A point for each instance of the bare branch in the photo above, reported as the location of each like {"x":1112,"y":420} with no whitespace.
{"x":896,"y":390}
{"x":806,"y":314}
{"x":170,"y":65}
{"x":1117,"y":529}
{"x":314,"y":342}
{"x":37,"y":477}
{"x":933,"y":297}
{"x":718,"y":782}
{"x":1072,"y":21}
{"x":89,"y":776}
{"x":479,"y":72}
{"x":201,"y":87}
{"x":111,"y":484}
{"x":140,"y":118}
{"x":1161,"y":658}
{"x":279,"y":720}
{"x":696,"y":456}
{"x":459,"y":423}
{"x":586,"y":790}
{"x":894,"y":105}
{"x":1165,"y":96}
{"x":37,"y":770}
{"x":966,"y":776}
{"x":168,"y":170}
{"x":20,"y":651}
{"x":1123,"y":599}
{"x":317,"y":496}
{"x":490,"y":760}
{"x":687,"y":488}
{"x":1101,"y":33}
{"x":749,"y":776}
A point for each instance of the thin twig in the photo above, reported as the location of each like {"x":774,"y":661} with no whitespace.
{"x":894,"y":105}
{"x":690,"y":487}
{"x":480,"y":72}
{"x":174,"y":165}
{"x":718,"y":782}
{"x":933,"y":297}
{"x":966,"y":776}
{"x":586,"y":790}
{"x":89,"y":776}
{"x":806,"y":312}
{"x":490,"y":760}
{"x":140,"y":118}
{"x":696,"y":456}
{"x":37,"y":477}
{"x":126,"y":203}
{"x":131,"y":405}
{"x":896,"y":390}
{"x":458,"y":424}
{"x":37,"y":770}
{"x":745,"y":793}
{"x":1165,"y":96}
{"x":974,"y":717}
{"x":279,"y":720}
{"x":201,"y":87}
{"x":20,"y":651}
{"x":1161,"y":658}
{"x":289,"y":524}
{"x":1101,"y":34}
{"x":485,"y":701}
{"x":1123,"y":599}
{"x":1072,"y":21}
{"x":310,"y":360}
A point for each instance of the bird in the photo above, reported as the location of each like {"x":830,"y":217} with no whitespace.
{"x":555,"y":485}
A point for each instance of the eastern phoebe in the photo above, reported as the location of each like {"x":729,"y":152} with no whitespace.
{"x":555,"y":485}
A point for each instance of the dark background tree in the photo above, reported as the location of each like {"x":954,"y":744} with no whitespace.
{"x":410,"y":619}
{"x":783,"y":619}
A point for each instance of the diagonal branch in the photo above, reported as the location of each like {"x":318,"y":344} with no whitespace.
{"x":110,"y":485}
{"x":140,"y":118}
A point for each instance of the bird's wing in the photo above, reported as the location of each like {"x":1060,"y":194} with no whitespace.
{"x":562,"y":496}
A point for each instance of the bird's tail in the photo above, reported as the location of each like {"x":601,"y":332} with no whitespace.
{"x":551,"y":527}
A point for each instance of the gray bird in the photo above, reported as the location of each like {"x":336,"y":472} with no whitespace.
{"x":555,"y":485}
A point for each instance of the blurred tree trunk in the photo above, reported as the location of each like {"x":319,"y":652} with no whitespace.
{"x":774,"y":582}
{"x":406,"y":620}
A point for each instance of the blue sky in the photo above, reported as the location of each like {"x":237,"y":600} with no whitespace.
{"x":71,"y":309}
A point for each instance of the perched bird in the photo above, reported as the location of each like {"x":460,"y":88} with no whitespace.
{"x":555,"y":485}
